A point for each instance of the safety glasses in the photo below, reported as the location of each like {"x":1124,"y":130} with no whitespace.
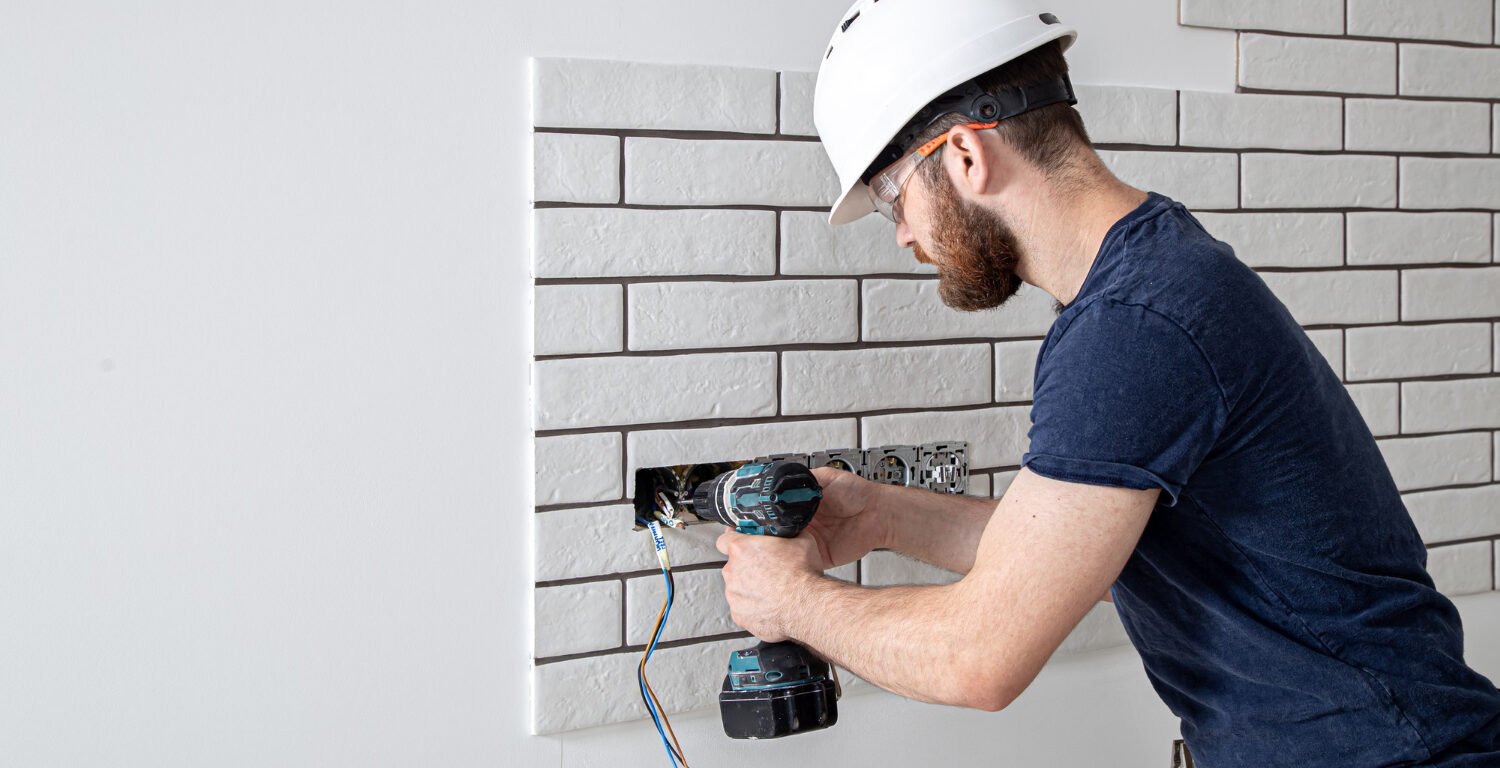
{"x":886,"y":187}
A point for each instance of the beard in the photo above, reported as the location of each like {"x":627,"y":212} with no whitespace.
{"x":977,"y":252}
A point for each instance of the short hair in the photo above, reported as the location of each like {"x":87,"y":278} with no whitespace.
{"x":1046,"y":137}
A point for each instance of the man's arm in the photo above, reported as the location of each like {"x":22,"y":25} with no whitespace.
{"x":1046,"y":554}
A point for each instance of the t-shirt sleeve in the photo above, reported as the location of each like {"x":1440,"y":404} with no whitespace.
{"x":1123,"y":397}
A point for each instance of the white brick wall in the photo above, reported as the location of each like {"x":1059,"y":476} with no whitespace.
{"x":1319,"y":181}
{"x":1116,"y":115}
{"x":597,"y":392}
{"x":1429,"y":70}
{"x":1195,"y":179}
{"x":1450,"y":294}
{"x":1326,"y":298}
{"x":577,"y":618}
{"x":1391,"y":125}
{"x":1463,"y":569}
{"x":847,"y":381}
{"x":582,"y":93}
{"x":579,"y":319}
{"x":700,"y":315}
{"x":570,"y":168}
{"x":911,"y":310}
{"x":682,"y":172}
{"x":577,"y":469}
{"x":1280,"y":239}
{"x":1462,"y":20}
{"x":1436,"y":461}
{"x":1418,"y":238}
{"x":584,"y":242}
{"x":866,"y":247}
{"x":1279,"y":63}
{"x":1447,"y":406}
{"x":1253,"y":120}
{"x":1436,"y":183}
{"x":694,"y":305}
{"x":1324,"y":17}
{"x":1395,"y":352}
{"x":1455,"y":514}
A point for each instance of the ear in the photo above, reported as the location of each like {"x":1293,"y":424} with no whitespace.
{"x":968,"y":161}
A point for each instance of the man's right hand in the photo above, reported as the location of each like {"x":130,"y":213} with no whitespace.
{"x":848,"y":524}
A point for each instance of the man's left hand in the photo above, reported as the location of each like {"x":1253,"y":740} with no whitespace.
{"x":766,"y":579}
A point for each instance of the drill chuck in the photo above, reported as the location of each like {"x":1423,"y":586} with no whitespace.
{"x":775,"y":499}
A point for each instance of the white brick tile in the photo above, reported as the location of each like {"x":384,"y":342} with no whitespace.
{"x":1274,"y":62}
{"x":1124,"y":115}
{"x":1319,"y":181}
{"x":698,"y":610}
{"x":1495,"y":128}
{"x":579,"y":319}
{"x":809,"y":246}
{"x":1429,"y":462}
{"x":582,"y":242}
{"x":599,"y":690}
{"x":595,"y":392}
{"x":1455,"y":514}
{"x":996,"y":436}
{"x":587,"y":93}
{"x":1325,"y":17}
{"x":1418,"y":238}
{"x":1450,"y":294}
{"x":1380,"y":404}
{"x":1396,"y":352}
{"x":797,"y":103}
{"x":1002,"y":481}
{"x":911,"y":310}
{"x":885,"y":569}
{"x":848,"y":572}
{"x":670,"y":447}
{"x":1461,"y":20}
{"x":1463,"y":569}
{"x":698,"y":315}
{"x":1429,"y":182}
{"x":1280,"y":239}
{"x":1261,"y":121}
{"x":879,"y":379}
{"x":1390,"y":125}
{"x":597,"y":541}
{"x":979,"y":485}
{"x":577,"y":618}
{"x":1446,"y":70}
{"x":1099,"y":629}
{"x":575,"y":169}
{"x":1331,"y":344}
{"x":1195,"y":179}
{"x":1336,"y":298}
{"x":1015,"y":370}
{"x":577,"y":469}
{"x":677,"y":172}
{"x":1447,"y":406}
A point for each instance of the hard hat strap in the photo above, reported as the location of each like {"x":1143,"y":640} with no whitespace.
{"x":972,"y":101}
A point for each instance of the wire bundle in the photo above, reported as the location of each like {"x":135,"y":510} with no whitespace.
{"x":648,"y":696}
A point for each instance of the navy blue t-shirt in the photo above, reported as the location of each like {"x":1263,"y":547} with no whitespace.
{"x":1279,"y":596}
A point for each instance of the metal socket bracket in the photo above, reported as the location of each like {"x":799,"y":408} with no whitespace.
{"x":940,"y":467}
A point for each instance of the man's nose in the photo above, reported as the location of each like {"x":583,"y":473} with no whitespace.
{"x":904,"y":237}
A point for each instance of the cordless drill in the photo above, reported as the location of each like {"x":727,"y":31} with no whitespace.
{"x":773,"y":689}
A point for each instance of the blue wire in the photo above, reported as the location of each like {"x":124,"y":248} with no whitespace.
{"x":640,"y":678}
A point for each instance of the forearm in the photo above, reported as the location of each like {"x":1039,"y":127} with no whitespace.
{"x":912,"y":641}
{"x":936,"y":528}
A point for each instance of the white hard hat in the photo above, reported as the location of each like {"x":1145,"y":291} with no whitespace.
{"x":890,"y":58}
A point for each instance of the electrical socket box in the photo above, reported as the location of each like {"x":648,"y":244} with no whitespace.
{"x":666,"y":493}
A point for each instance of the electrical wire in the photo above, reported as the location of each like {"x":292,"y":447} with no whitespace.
{"x":648,"y":696}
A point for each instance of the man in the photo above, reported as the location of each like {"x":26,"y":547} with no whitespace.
{"x":1193,"y":457}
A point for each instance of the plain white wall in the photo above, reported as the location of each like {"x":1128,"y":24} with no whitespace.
{"x":264,"y":473}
